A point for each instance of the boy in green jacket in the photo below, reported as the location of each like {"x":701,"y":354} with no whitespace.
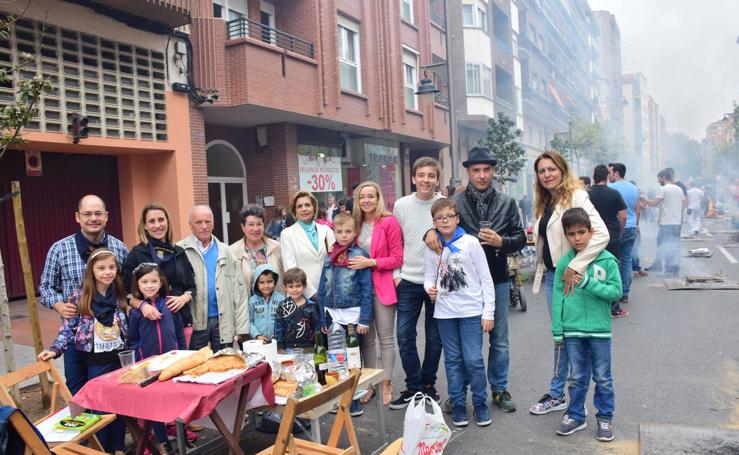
{"x":581,"y":320}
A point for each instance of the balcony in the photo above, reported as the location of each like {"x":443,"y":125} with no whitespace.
{"x":441,"y":99}
{"x":438,"y":19}
{"x":173,"y":13}
{"x":243,"y":27}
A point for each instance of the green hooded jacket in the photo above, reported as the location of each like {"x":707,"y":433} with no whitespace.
{"x":586,"y":312}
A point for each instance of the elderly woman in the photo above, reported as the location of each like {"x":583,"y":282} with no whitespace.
{"x":156,"y":246}
{"x":379,"y":233}
{"x":557,"y":189}
{"x":256,"y":248}
{"x":305,"y":244}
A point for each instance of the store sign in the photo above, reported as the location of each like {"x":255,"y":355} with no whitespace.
{"x":319,"y":174}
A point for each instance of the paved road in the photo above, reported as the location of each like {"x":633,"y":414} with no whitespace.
{"x":675,"y":360}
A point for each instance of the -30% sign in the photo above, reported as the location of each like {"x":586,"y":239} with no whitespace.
{"x":322,"y":182}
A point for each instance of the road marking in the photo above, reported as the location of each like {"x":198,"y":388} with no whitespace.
{"x":728,"y":255}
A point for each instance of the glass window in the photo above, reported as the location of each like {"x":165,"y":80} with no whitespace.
{"x":487,"y":81}
{"x":406,"y":10}
{"x":410,"y":66}
{"x":349,"y":66}
{"x":468,"y":15}
{"x":483,"y":19}
{"x":473,"y":79}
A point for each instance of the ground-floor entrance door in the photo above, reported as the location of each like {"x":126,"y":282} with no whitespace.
{"x":226,"y":199}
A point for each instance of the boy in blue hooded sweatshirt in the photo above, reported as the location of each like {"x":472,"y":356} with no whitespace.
{"x":263,"y":302}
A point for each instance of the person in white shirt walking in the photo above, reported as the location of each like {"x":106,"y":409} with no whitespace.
{"x":670,"y":200}
{"x":695,"y":208}
{"x":413,"y":212}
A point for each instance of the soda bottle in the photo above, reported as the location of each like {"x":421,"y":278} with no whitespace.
{"x":337,"y":352}
{"x":353,"y":357}
{"x":319,"y":357}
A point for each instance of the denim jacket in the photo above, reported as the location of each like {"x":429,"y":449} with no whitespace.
{"x":342,"y":287}
{"x":261,"y":311}
{"x":78,"y":331}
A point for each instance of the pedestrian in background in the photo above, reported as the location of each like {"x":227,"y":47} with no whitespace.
{"x":670,"y":199}
{"x":630,"y":194}
{"x":275,"y":227}
{"x":695,"y":208}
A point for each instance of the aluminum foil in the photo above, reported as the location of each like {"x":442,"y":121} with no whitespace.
{"x":251,"y":360}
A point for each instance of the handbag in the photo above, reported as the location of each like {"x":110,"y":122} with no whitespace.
{"x":424,"y":433}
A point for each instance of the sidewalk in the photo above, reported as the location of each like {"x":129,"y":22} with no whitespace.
{"x":20,"y":329}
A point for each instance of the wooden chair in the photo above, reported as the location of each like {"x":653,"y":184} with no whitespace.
{"x":285,"y":443}
{"x":36,"y":446}
{"x":58,"y":389}
{"x":393,"y":448}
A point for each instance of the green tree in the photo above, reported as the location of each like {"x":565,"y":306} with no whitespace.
{"x":561,"y":144}
{"x":502,"y":140}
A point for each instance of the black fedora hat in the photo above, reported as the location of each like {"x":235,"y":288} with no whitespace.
{"x":480,"y":155}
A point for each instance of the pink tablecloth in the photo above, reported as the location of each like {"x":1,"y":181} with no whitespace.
{"x":168,"y":401}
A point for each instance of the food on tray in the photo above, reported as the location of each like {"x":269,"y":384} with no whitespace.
{"x":192,"y":361}
{"x":218,"y":364}
{"x":284,"y":388}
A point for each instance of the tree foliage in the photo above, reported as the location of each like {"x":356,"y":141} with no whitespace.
{"x":502,"y":139}
{"x":590,"y":141}
{"x":28,"y":93}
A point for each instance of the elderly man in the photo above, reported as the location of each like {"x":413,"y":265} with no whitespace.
{"x":65,"y":267}
{"x":220,"y":313}
{"x":493,"y":217}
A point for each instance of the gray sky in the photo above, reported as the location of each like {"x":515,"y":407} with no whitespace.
{"x":688,"y":52}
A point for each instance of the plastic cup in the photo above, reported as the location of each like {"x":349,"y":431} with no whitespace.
{"x":486,"y":224}
{"x":127,"y":358}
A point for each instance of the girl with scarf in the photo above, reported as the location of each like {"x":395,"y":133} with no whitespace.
{"x":459,"y":281}
{"x":379,"y":233}
{"x":156,"y":247}
{"x":99,"y":330}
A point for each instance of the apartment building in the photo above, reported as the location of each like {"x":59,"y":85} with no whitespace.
{"x":311,"y":95}
{"x":114,"y":64}
{"x":644,"y":128}
{"x":609,"y":88}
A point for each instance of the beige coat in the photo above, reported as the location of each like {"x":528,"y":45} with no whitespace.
{"x":558,"y":245}
{"x":274,"y":259}
{"x":298,"y":251}
{"x":233,"y":311}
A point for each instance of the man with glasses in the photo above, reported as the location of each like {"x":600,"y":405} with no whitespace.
{"x":65,"y":267}
{"x":493,"y":217}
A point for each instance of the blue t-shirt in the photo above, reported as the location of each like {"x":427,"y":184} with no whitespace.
{"x":211,"y":262}
{"x":630,"y":193}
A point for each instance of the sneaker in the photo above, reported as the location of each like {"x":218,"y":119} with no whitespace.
{"x":624,"y":299}
{"x":504,"y":401}
{"x":448,"y":406}
{"x":569,"y":426}
{"x":459,"y":416}
{"x":403,"y":400}
{"x":430,"y":391}
{"x":547,"y":404}
{"x":165,"y":448}
{"x":355,"y":410}
{"x":621,"y":313}
{"x":605,"y":431}
{"x":482,"y":416}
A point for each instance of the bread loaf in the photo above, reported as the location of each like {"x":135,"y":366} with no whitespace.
{"x":193,"y":360}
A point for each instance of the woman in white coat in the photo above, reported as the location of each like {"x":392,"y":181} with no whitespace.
{"x":557,"y":189}
{"x":305,"y":244}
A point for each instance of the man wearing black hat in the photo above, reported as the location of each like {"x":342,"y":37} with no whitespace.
{"x":493,"y":217}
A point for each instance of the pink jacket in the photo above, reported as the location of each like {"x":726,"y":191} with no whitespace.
{"x":387,"y":250}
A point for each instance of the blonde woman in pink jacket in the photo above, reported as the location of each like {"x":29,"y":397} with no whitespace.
{"x":379,"y":234}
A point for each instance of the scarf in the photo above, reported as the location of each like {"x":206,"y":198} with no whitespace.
{"x":311,"y":231}
{"x":86,"y":247}
{"x":481,"y":199}
{"x":458,"y":233}
{"x":104,"y":306}
{"x":163,"y":255}
{"x":339,"y":255}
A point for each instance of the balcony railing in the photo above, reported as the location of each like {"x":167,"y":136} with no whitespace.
{"x":441,"y":99}
{"x":242,"y":27}
{"x":438,"y":19}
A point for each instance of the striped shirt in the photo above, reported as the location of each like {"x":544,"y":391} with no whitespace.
{"x":64,"y":269}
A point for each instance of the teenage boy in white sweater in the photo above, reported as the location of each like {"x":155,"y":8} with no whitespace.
{"x":459,"y":281}
{"x":413,"y":212}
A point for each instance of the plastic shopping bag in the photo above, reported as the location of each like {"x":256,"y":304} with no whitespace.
{"x":424,"y":433}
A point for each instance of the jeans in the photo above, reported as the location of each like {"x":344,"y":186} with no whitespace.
{"x":668,"y":244}
{"x":614,"y":247}
{"x":635,"y":265}
{"x":464,"y":357}
{"x":411,"y":298}
{"x":584,"y":354}
{"x":561,"y":362}
{"x":112,"y":437}
{"x":75,"y":369}
{"x":627,"y":244}
{"x":212,"y":335}
{"x":498,"y":353}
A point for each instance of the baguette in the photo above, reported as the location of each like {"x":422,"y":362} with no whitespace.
{"x":193,"y":360}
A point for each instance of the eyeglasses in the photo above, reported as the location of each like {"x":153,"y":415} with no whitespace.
{"x":444,"y":219}
{"x":142,"y":265}
{"x":98,"y":214}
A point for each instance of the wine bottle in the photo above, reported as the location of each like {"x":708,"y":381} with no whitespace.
{"x":319,"y":357}
{"x":354,"y":358}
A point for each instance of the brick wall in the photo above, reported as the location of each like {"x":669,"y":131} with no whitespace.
{"x":199,"y":164}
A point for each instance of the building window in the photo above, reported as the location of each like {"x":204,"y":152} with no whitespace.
{"x":475,"y":16}
{"x":349,"y":66}
{"x":468,"y":15}
{"x":406,"y":10}
{"x":410,"y":81}
{"x":229,"y":9}
{"x":479,"y":80}
{"x":483,"y":18}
